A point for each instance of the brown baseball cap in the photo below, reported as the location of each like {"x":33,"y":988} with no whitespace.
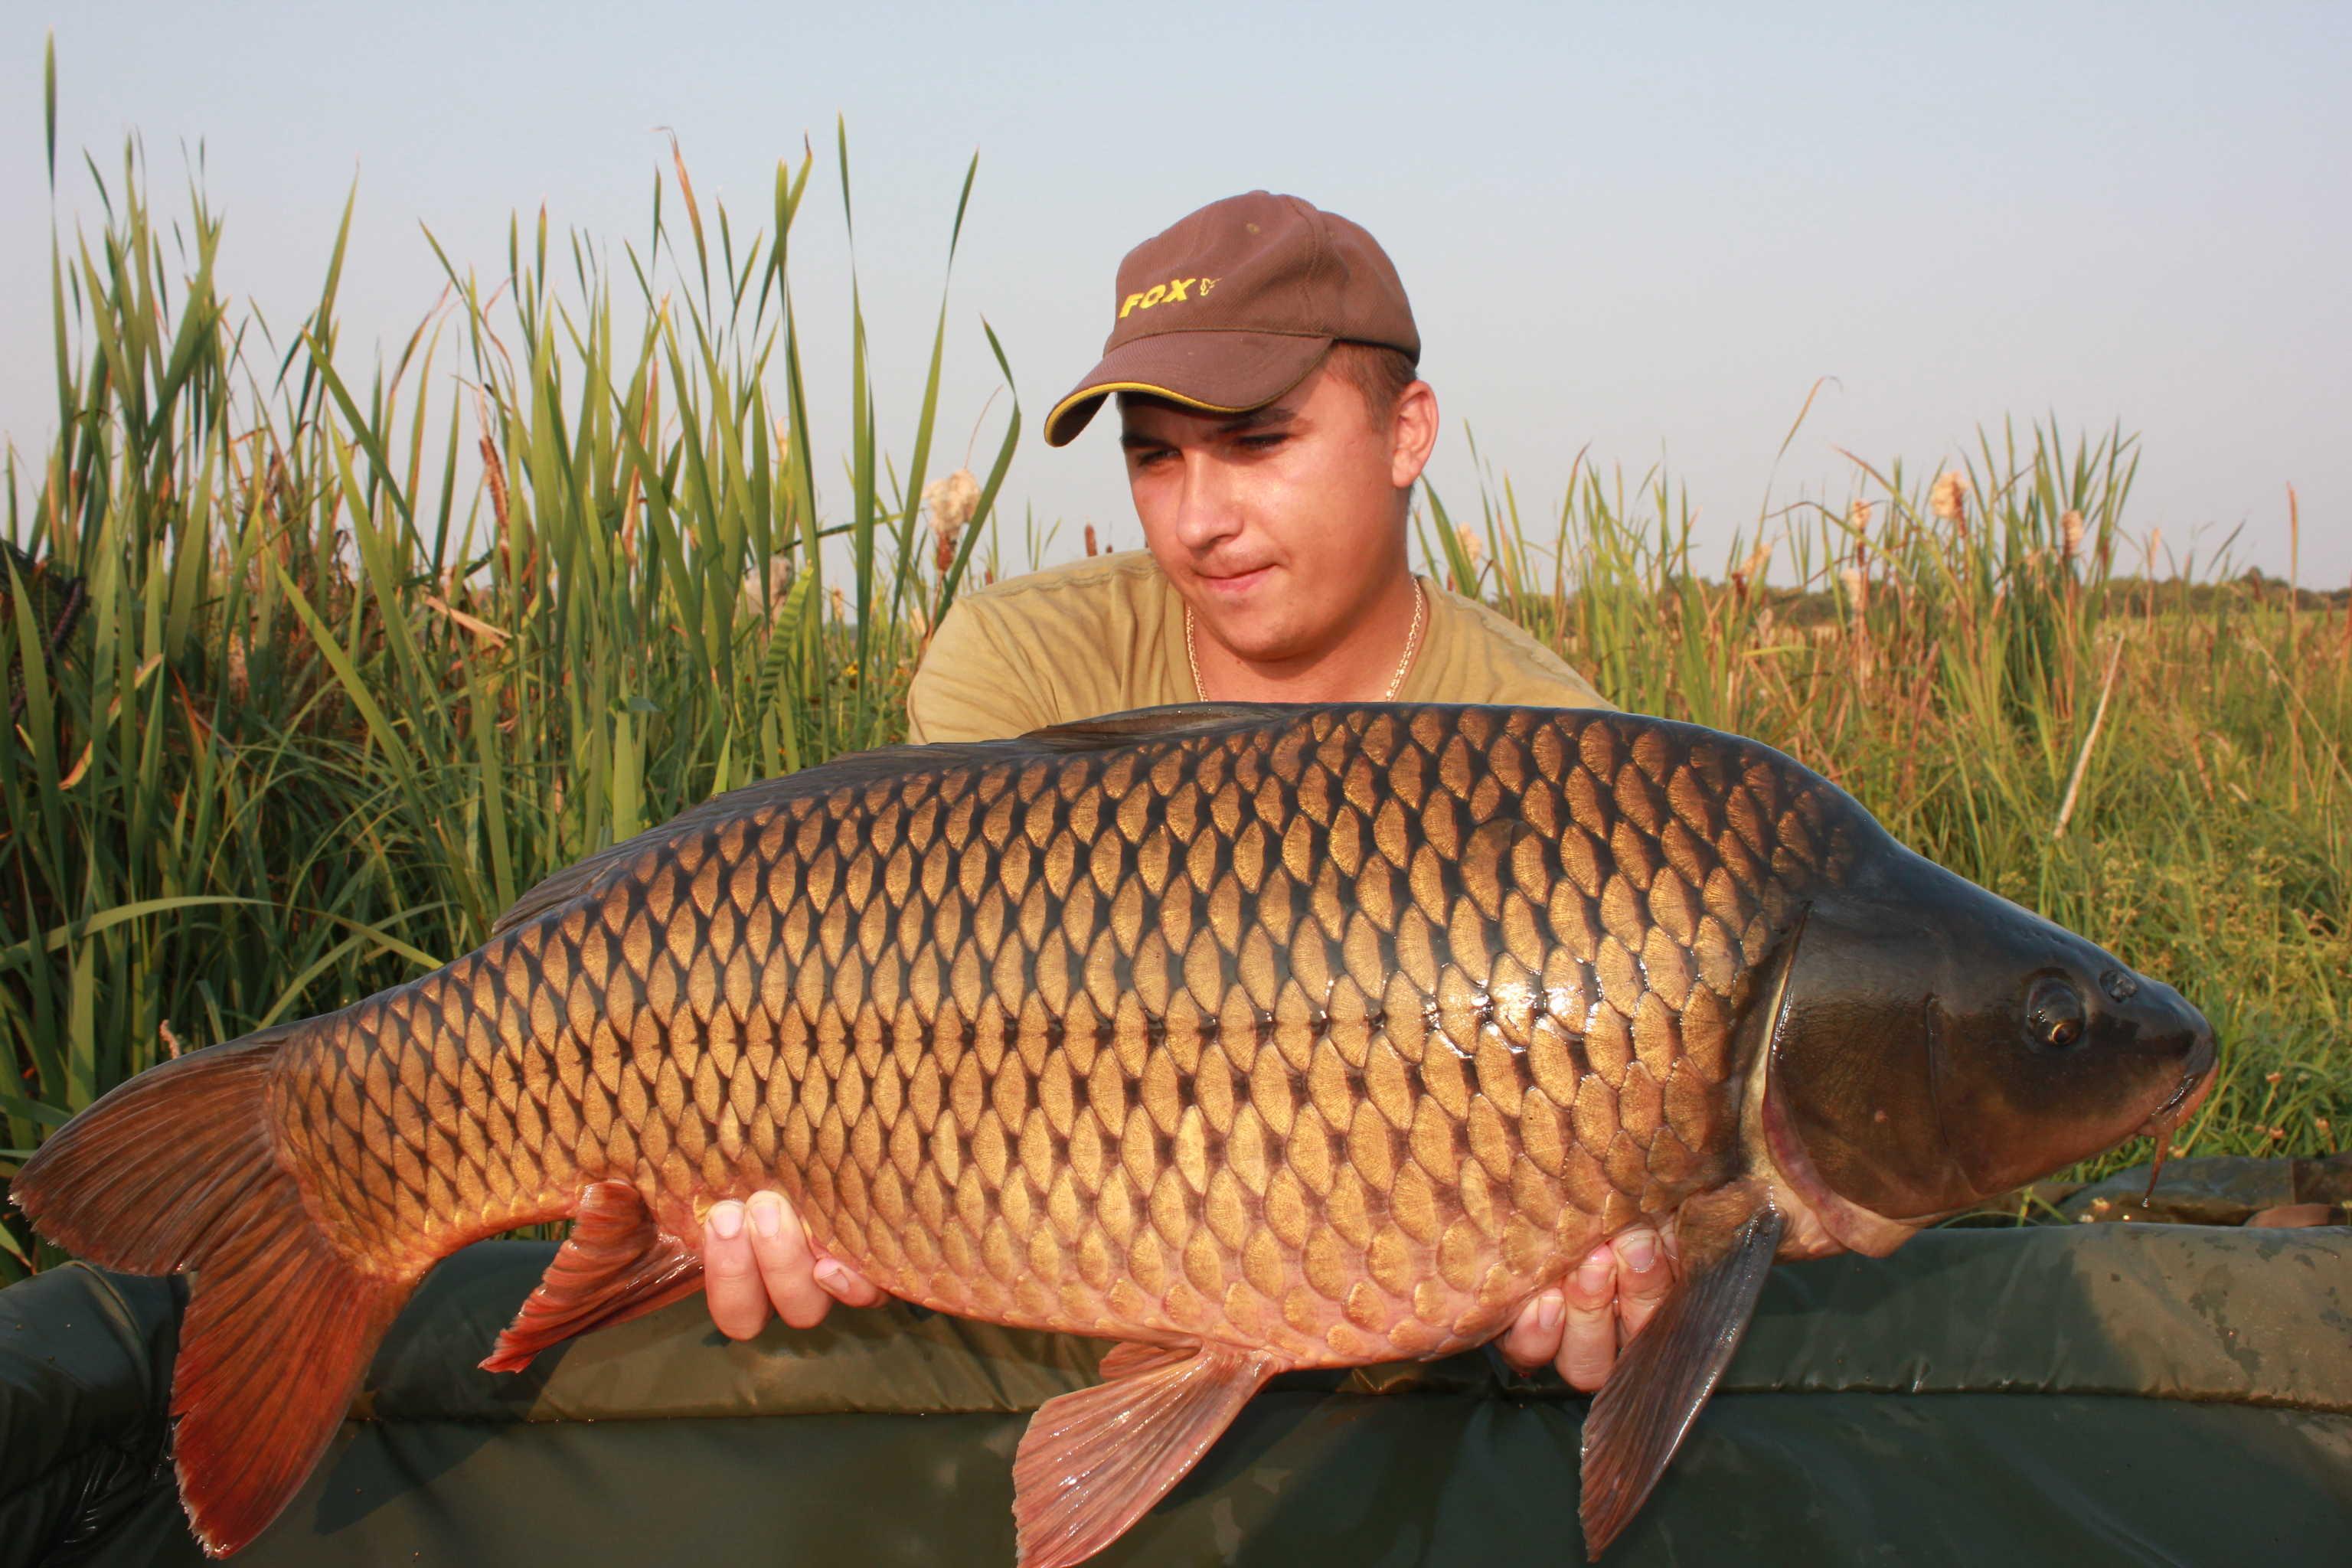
{"x":1234,"y":304}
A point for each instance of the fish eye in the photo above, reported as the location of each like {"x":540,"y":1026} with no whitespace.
{"x":2054,"y":1014}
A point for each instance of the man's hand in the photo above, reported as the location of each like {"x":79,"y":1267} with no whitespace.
{"x":1579,"y":1325}
{"x":757,"y":1259}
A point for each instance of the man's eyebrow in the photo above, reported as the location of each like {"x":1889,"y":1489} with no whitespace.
{"x":1272,"y":416}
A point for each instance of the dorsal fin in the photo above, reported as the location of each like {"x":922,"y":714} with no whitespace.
{"x":1106,"y":734}
{"x":857,"y":768}
{"x":1180,"y":718}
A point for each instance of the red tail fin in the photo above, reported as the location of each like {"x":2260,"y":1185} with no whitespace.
{"x":178,"y":1169}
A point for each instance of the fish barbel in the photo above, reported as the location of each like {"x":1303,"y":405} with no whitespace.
{"x":1250,"y":1038}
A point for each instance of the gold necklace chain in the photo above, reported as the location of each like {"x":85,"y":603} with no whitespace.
{"x":1396,"y":681}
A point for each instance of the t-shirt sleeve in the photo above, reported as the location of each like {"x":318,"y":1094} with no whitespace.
{"x":969,"y":686}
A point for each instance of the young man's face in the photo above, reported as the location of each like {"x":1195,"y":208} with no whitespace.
{"x":1279,"y":525}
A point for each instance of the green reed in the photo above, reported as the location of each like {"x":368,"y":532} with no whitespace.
{"x":367,"y":649}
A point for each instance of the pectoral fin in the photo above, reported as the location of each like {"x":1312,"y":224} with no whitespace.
{"x":1640,"y":1414}
{"x":1094,"y":1461}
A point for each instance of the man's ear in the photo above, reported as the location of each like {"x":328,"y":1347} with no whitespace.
{"x":1412,"y":434}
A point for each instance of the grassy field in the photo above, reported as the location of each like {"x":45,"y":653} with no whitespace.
{"x":327,"y":661}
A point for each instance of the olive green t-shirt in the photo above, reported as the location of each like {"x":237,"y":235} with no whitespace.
{"x":1107,"y":634}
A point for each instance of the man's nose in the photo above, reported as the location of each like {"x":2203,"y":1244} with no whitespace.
{"x":1207,"y":513}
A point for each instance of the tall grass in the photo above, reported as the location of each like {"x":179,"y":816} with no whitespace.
{"x":363,"y":657}
{"x":357,"y":655}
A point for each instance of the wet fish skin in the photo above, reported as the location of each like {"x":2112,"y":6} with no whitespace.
{"x":1230,"y":1036}
{"x":1250,"y":1038}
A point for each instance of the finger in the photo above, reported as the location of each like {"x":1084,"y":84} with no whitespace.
{"x":1644,"y":1278}
{"x":730,"y":1276}
{"x":1534,"y":1339}
{"x":1587,"y":1345}
{"x":786,"y":1265}
{"x":845,"y":1284}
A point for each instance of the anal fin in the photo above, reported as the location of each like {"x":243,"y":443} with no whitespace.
{"x":1130,"y":1357}
{"x":615,"y":1265}
{"x":1664,"y":1374}
{"x":1093,"y":1462}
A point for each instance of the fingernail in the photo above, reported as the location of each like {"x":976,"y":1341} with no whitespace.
{"x":1594,"y":1274}
{"x":767,"y":1214}
{"x":1639,"y":1250}
{"x":727,"y":1219}
{"x":1549,"y":1308}
{"x":832,"y":1276}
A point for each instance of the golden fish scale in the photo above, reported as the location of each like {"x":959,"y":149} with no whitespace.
{"x":1339,"y":1035}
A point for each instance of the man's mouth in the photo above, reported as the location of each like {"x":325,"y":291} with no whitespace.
{"x":1233,"y":583}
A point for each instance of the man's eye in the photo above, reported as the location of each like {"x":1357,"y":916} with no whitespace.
{"x":1264,"y":443}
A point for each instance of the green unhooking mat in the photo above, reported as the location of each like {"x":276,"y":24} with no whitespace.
{"x":2076,"y":1396}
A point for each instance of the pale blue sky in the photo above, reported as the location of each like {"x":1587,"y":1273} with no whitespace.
{"x":1646,"y":230}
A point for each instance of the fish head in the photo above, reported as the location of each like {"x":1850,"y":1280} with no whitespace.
{"x":1938,"y":1045}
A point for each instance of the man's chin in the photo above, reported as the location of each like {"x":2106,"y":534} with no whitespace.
{"x":1252,"y":638}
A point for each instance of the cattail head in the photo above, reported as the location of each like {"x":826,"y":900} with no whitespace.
{"x":1474,"y":546}
{"x":1092,"y":548}
{"x":1857,"y":588}
{"x":839,"y":601}
{"x":2070,"y":535}
{"x":493,"y":469}
{"x":1948,"y":499}
{"x":1750,"y":572}
{"x":1858,"y":515}
{"x":951,"y":502}
{"x":764,"y":589}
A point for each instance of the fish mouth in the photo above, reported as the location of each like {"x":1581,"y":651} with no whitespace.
{"x":2197,"y":1082}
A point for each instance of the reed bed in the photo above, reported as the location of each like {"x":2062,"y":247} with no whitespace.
{"x":313,"y":668}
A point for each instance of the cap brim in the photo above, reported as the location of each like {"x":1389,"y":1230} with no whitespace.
{"x":1216,"y":373}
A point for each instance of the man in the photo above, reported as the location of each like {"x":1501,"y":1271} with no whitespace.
{"x":1263,"y":358}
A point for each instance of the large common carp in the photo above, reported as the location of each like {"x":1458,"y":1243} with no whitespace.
{"x":1250,"y":1038}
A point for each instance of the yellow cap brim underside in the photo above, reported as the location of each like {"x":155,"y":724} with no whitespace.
{"x":1104,"y":388}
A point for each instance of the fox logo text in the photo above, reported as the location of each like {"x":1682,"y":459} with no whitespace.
{"x":1174,"y":291}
